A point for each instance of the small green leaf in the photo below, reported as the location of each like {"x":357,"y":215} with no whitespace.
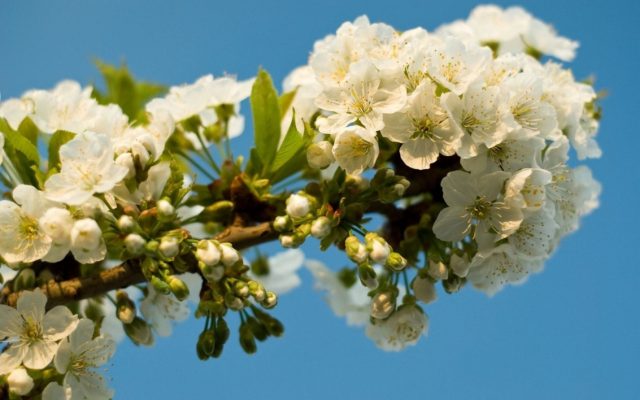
{"x":291,"y":156}
{"x":254,"y":165}
{"x":20,"y":143}
{"x":266,"y":118}
{"x":57,"y":140}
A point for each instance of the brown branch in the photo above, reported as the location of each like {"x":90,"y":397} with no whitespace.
{"x":129,"y":273}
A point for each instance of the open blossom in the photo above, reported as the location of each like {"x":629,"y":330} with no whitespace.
{"x":87,"y":168}
{"x":423,"y":128}
{"x":160,"y":310}
{"x":362,"y":97}
{"x":77,"y":359}
{"x":22,"y":237}
{"x":355,"y":149}
{"x":282,"y":275}
{"x":404,"y":328}
{"x":475,"y":200}
{"x":31,"y":333}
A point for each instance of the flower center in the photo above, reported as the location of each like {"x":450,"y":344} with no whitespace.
{"x":480,"y":208}
{"x":32,"y":331}
{"x":28,"y":228}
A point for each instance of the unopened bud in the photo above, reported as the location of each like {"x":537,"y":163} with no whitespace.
{"x":126,"y":223}
{"x":247,"y":341}
{"x":26,"y":279}
{"x":298,"y":206}
{"x":178,"y":288}
{"x":241,"y":289}
{"x":208,"y":253}
{"x":320,"y":154}
{"x":356,"y":183}
{"x":139,"y":332}
{"x":459,"y":265}
{"x":258,"y":329}
{"x":257,"y":291}
{"x":125,"y":308}
{"x":424,"y":289}
{"x":212,"y":273}
{"x":270,"y":300}
{"x":437,"y":270}
{"x":321,"y":227}
{"x":382,"y":305}
{"x":169,"y":246}
{"x":282,"y":223}
{"x":134,"y":243}
{"x":233,"y":302}
{"x":206,"y":344}
{"x":355,"y":250}
{"x":378,"y":248}
{"x":287,"y":241}
{"x":165,"y":209}
{"x":19,"y":381}
{"x":396,"y":262}
{"x":367,"y":276}
{"x":230,"y":256}
{"x":220,"y":210}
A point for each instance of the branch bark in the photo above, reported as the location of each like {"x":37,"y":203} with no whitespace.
{"x":129,"y":273}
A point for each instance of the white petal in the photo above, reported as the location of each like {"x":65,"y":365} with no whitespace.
{"x":59,"y":322}
{"x":452,"y":224}
{"x":39,"y":354}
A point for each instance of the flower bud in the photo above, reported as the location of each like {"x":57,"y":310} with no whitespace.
{"x":169,"y":246}
{"x":258,"y":329}
{"x":356,"y":183}
{"x":298,"y":206}
{"x":378,"y":248}
{"x":453,"y":283}
{"x":134,"y":244}
{"x":220,"y":210}
{"x":26,"y":279}
{"x":459,"y":265}
{"x":257,"y":291}
{"x":367,"y":276}
{"x":139,"y":332}
{"x":247,"y":341}
{"x":320,"y":154}
{"x":287,"y":241}
{"x":382,"y":305}
{"x":208,"y":253}
{"x":125,"y":308}
{"x":233,"y":302}
{"x":165,"y":209}
{"x":241,"y":289}
{"x":86,"y":234}
{"x":19,"y":381}
{"x":437,"y":270}
{"x":126,"y":223}
{"x":160,"y":286}
{"x":355,"y":250}
{"x":270,"y":300}
{"x":206,"y":344}
{"x":396,"y":262}
{"x":424,"y":289}
{"x":321,"y":227}
{"x":282,"y":223}
{"x":140,"y":154}
{"x":178,"y":288}
{"x":149,"y":267}
{"x":230,"y":256}
{"x":222,"y":335}
{"x":212,"y":273}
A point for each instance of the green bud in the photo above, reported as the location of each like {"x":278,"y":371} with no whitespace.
{"x":159,"y":285}
{"x":270,"y":300}
{"x":125,"y":308}
{"x":347,"y":276}
{"x":247,"y":340}
{"x":257,"y":290}
{"x":152,"y":246}
{"x":355,"y":250}
{"x":274,"y":327}
{"x":139,"y":332}
{"x":25,"y":280}
{"x":367,"y":275}
{"x":206,"y":344}
{"x":149,"y":267}
{"x":260,"y":266}
{"x":258,"y":329}
{"x":178,"y":288}
{"x":396,"y":262}
{"x":282,"y":223}
{"x":453,"y":283}
{"x":44,"y":276}
{"x":241,"y":289}
{"x":233,"y":302}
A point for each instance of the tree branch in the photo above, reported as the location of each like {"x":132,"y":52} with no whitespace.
{"x":129,"y":273}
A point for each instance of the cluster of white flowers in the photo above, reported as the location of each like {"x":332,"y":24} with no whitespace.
{"x":37,"y":338}
{"x":476,"y":90}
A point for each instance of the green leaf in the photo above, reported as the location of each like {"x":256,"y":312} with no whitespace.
{"x":291,"y":156}
{"x":266,"y":118}
{"x":20,"y":143}
{"x":57,"y":140}
{"x":254,"y":165}
{"x":285,"y":102}
{"x":123,"y":90}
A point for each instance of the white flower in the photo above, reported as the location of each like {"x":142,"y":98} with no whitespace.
{"x":526,"y":188}
{"x":455,"y":64}
{"x":352,"y":303}
{"x":298,"y":206}
{"x":57,"y":223}
{"x":160,"y":310}
{"x":362,"y":97}
{"x":423,"y":128}
{"x":15,"y":111}
{"x":355,"y":149}
{"x":208,"y":252}
{"x":20,"y":382}
{"x":283,"y":267}
{"x":22,"y":237}
{"x":87,"y":244}
{"x":490,"y":271}
{"x":320,"y":155}
{"x":77,"y":358}
{"x":474,"y":200}
{"x":536,"y":236}
{"x":510,"y":155}
{"x":32,"y":334}
{"x":404,"y":328}
{"x":54,"y":391}
{"x":87,"y":167}
{"x":67,"y":107}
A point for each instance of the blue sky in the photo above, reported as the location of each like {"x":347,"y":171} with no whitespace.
{"x":572,"y":332}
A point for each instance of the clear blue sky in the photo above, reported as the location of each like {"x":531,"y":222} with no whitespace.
{"x":572,"y":332}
